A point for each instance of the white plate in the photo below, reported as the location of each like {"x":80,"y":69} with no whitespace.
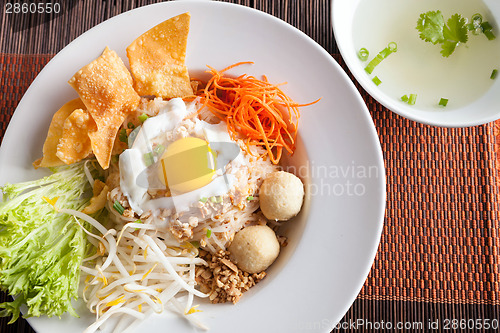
{"x":332,"y":243}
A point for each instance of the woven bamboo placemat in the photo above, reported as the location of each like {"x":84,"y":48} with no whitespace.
{"x":439,"y":254}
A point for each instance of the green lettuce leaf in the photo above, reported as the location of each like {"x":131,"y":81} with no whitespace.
{"x":40,"y":249}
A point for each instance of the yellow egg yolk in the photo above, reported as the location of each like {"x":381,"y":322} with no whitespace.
{"x":186,"y":165}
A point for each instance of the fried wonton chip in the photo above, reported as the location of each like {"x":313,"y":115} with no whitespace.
{"x":98,"y":201}
{"x":75,"y":144}
{"x":157,"y":59}
{"x":55,"y":133}
{"x":99,"y":187}
{"x":105,"y":87}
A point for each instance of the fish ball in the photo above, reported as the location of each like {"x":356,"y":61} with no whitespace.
{"x":281,"y":196}
{"x":254,"y":248}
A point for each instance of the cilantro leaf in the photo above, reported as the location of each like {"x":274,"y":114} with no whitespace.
{"x":447,"y":48}
{"x":455,"y":32}
{"x":456,"y":29}
{"x":433,"y":29}
{"x":430,"y":25}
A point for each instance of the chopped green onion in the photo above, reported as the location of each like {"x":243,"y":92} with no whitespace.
{"x":486,"y":26}
{"x":218,"y":199}
{"x":122,"y":135}
{"x":412,"y":99}
{"x":250,"y":198}
{"x":213,"y":199}
{"x":158,"y":150}
{"x":363,"y":54}
{"x":204,"y":199}
{"x":149,"y":159}
{"x":384,"y":53}
{"x":130,"y":125}
{"x":443,"y":101}
{"x":209,"y":233}
{"x":196,"y":244}
{"x":142,"y":118}
{"x":376,"y":80}
{"x":138,"y":221}
{"x":373,"y":63}
{"x":118,"y":207}
{"x":489,"y":34}
{"x":392,"y":47}
{"x":475,"y":26}
{"x":476,"y":19}
{"x":477,"y":31}
{"x":494,"y":74}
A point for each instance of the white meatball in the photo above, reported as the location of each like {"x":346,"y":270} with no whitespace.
{"x":281,"y":196}
{"x":254,"y":248}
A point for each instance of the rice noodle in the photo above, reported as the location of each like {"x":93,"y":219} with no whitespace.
{"x":191,"y":319}
{"x":96,"y":224}
{"x":92,"y":328}
{"x":189,"y":302}
{"x":149,"y":266}
{"x":132,"y":282}
{"x":170,"y":268}
{"x":88,"y":173}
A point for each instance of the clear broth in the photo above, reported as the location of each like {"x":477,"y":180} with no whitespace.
{"x":418,"y":67}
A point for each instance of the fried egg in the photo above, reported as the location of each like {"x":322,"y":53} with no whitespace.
{"x":183,"y":156}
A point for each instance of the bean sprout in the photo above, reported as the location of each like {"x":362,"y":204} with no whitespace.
{"x":138,"y":274}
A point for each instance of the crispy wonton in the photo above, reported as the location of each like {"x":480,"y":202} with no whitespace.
{"x":105,"y":86}
{"x":55,"y":133}
{"x":157,"y":59}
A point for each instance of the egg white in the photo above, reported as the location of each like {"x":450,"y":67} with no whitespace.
{"x":170,"y":124}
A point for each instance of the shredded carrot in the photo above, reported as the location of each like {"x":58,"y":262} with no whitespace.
{"x":255,"y":110}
